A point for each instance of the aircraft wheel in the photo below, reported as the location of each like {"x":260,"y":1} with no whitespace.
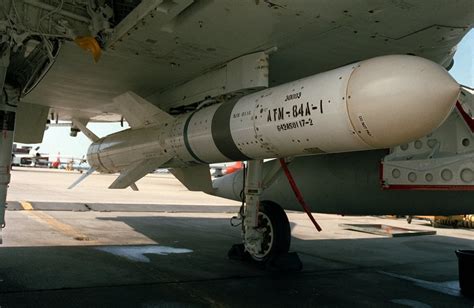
{"x":275,"y":231}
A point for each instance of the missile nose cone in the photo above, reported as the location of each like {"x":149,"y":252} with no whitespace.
{"x":396,"y":99}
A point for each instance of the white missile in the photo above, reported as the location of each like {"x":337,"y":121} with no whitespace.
{"x":376,"y":103}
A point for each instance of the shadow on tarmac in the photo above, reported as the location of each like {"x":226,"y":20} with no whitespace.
{"x":337,"y":272}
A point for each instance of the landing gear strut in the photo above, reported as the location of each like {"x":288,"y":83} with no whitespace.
{"x":7,"y":123}
{"x":265,"y":228}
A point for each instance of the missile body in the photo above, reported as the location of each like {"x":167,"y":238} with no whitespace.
{"x":373,"y":104}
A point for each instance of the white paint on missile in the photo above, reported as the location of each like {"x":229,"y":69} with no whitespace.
{"x":374,"y":104}
{"x":187,"y":143}
{"x":137,"y":253}
{"x":200,"y":135}
{"x":221,"y":131}
{"x":400,"y":97}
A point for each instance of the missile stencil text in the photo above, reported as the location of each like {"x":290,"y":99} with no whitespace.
{"x":296,"y":111}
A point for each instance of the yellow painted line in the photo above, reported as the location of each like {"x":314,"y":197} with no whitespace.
{"x":53,"y":223}
{"x":26,"y":206}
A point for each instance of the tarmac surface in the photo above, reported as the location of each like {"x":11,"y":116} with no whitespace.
{"x":166,"y":246}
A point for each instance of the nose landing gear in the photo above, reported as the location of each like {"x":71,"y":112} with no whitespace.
{"x":266,"y":230}
{"x":274,"y":233}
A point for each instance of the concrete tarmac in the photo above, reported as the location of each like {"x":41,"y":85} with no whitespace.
{"x":166,"y":246}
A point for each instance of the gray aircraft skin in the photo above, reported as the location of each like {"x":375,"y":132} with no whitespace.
{"x":174,"y":46}
{"x":347,"y":184}
{"x":202,"y":81}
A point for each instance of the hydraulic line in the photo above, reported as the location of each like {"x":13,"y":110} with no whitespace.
{"x":298,"y":194}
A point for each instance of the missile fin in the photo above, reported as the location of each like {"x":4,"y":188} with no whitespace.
{"x":197,"y":178}
{"x":139,"y":112}
{"x":134,"y":187}
{"x":81,"y":178}
{"x":136,"y":171}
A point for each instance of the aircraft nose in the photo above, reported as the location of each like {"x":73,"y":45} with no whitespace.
{"x":396,"y":99}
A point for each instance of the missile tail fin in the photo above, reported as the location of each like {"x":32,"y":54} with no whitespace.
{"x":136,"y":171}
{"x":197,"y":178}
{"x":139,"y":112}
{"x":81,"y":178}
{"x":134,"y":187}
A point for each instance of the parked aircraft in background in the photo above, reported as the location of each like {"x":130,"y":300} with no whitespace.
{"x":31,"y":157}
{"x":28,"y":156}
{"x":352,"y":99}
{"x":221,"y":169}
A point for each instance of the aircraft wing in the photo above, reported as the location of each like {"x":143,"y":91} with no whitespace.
{"x":168,"y":44}
{"x":109,"y":60}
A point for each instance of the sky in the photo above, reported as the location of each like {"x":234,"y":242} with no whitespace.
{"x":57,"y":140}
{"x":463,"y":69}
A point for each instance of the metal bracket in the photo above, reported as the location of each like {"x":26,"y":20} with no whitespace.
{"x":442,"y":160}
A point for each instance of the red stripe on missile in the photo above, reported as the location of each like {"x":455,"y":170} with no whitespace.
{"x":430,"y":187}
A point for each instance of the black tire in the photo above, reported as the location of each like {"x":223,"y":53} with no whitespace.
{"x":281,"y":231}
